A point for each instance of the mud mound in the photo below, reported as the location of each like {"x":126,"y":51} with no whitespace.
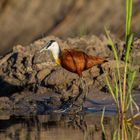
{"x":31,"y":80}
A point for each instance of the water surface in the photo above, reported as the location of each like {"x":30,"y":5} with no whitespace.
{"x":56,"y":127}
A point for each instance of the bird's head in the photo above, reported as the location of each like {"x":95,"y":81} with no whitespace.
{"x":51,"y":45}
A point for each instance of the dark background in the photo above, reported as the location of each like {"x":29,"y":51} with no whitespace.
{"x":23,"y":21}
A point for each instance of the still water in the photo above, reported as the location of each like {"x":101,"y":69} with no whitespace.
{"x":51,"y":127}
{"x":59,"y":127}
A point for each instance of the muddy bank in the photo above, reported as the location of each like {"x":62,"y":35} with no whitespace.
{"x":31,"y":82}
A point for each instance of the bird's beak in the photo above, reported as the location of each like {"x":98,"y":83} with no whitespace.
{"x":44,"y":48}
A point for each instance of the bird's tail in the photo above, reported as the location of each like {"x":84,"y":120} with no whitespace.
{"x":95,"y":60}
{"x":99,"y":60}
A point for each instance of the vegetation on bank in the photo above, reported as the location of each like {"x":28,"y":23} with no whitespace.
{"x":122,"y":85}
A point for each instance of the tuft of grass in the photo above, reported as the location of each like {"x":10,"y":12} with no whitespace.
{"x":127,"y":132}
{"x":121,"y":87}
{"x":122,"y":84}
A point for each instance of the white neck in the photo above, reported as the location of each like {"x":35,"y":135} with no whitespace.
{"x":55,"y":49}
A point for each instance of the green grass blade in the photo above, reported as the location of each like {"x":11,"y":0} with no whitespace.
{"x":110,"y":89}
{"x":114,"y":137}
{"x":128,"y":47}
{"x":128,"y":19}
{"x":110,"y":41}
{"x":130,"y":81}
{"x":136,"y":106}
{"x":102,"y":122}
{"x":131,"y":78}
{"x":116,"y":88}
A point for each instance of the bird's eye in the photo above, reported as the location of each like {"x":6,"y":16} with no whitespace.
{"x":49,"y":43}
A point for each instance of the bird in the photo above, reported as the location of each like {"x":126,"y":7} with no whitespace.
{"x":73,"y":60}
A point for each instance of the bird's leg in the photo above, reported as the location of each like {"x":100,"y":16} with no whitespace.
{"x":84,"y":90}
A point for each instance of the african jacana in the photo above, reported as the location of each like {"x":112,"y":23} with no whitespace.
{"x":73,"y":60}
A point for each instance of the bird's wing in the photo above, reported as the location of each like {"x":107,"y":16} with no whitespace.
{"x":74,"y":60}
{"x":67,"y":60}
